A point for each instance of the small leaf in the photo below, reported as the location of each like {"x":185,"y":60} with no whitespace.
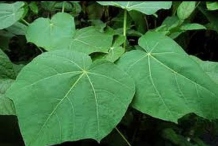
{"x":212,"y":5}
{"x":6,"y":67}
{"x":169,"y":84}
{"x":10,"y":13}
{"x":114,"y":53}
{"x":89,"y":40}
{"x":192,"y":26}
{"x":185,"y":9}
{"x":54,"y":33}
{"x":148,"y":8}
{"x":78,"y":99}
{"x":33,"y":7}
{"x":120,"y":39}
{"x":212,"y":17}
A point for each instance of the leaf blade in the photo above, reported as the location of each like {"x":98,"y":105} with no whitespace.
{"x":168,"y":88}
{"x":89,"y":40}
{"x":56,"y":32}
{"x":10,"y":13}
{"x":80,"y":98}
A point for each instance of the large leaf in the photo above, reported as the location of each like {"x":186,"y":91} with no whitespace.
{"x":144,"y":7}
{"x":10,"y":13}
{"x":6,"y":105}
{"x":62,"y":96}
{"x":54,"y":33}
{"x":6,"y":67}
{"x":89,"y":40}
{"x":169,"y":84}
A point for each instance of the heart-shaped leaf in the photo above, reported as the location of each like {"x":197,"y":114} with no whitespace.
{"x":69,"y":98}
{"x":169,"y":84}
{"x":10,"y":13}
{"x":54,"y":33}
{"x":60,"y":33}
{"x":89,"y":40}
{"x":148,"y":8}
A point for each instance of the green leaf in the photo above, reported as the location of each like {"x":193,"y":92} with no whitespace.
{"x":17,"y":29}
{"x":192,"y":26}
{"x":60,"y":33}
{"x":169,"y":84}
{"x":114,"y":53}
{"x":89,"y":40}
{"x":212,"y":17}
{"x":148,"y":8}
{"x":6,"y":67}
{"x":6,"y":105}
{"x":10,"y":13}
{"x":185,"y":9}
{"x":54,"y":33}
{"x":5,"y":84}
{"x":33,"y":7}
{"x":212,"y":5}
{"x":211,"y":68}
{"x":78,"y":99}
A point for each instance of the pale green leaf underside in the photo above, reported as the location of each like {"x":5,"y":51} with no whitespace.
{"x":148,"y":8}
{"x":54,"y":33}
{"x":6,"y":67}
{"x":10,"y":13}
{"x":169,"y":84}
{"x":69,"y":98}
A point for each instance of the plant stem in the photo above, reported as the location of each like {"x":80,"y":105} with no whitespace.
{"x":25,"y":22}
{"x":124,"y":27}
{"x":63,"y":7}
{"x":123,"y":136}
